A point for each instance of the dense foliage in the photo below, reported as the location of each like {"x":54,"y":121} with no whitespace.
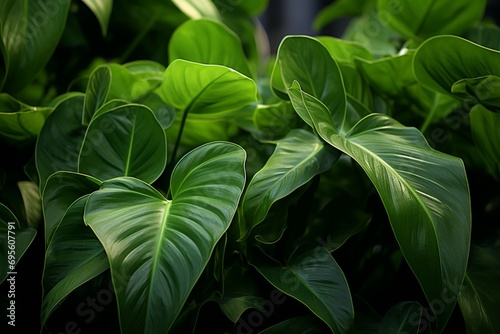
{"x":162,"y":171}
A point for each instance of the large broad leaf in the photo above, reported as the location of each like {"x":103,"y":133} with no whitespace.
{"x":102,"y":11}
{"x":442,"y":61}
{"x":297,"y":158}
{"x":14,"y":241}
{"x":479,"y":297}
{"x":402,"y":318}
{"x":196,"y":9}
{"x":126,"y":141}
{"x":60,"y":139}
{"x":425,"y":193}
{"x":315,"y":279}
{"x":208,"y":42}
{"x":73,"y":257}
{"x":19,"y":121}
{"x":61,"y":191}
{"x":161,"y":246}
{"x":485,"y":127}
{"x":305,"y":59}
{"x":206,"y":89}
{"x":30,"y":31}
{"x":428,"y":18}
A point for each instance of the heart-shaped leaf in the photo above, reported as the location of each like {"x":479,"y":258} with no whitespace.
{"x":208,"y":42}
{"x":427,"y":18}
{"x":57,"y":147}
{"x":297,"y":158}
{"x":30,"y":31}
{"x":162,"y":246}
{"x":74,"y":256}
{"x":425,"y":192}
{"x":126,"y":141}
{"x":315,"y":279}
{"x":442,"y":61}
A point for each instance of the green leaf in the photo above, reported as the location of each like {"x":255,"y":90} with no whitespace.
{"x":126,"y":141}
{"x":206,"y":89}
{"x":298,"y":325}
{"x":30,"y":31}
{"x":484,"y":126}
{"x":61,"y":191}
{"x":297,"y":158}
{"x":402,"y":318}
{"x":208,"y":42}
{"x":479,"y":297}
{"x":485,"y":34}
{"x":344,"y":51}
{"x":485,"y":90}
{"x":14,"y":241}
{"x":196,"y":9}
{"x":275,"y":121}
{"x":97,"y":92}
{"x":443,"y":60}
{"x":32,"y":203}
{"x":315,"y":279}
{"x":162,"y":246}
{"x":60,"y":139}
{"x":19,"y":121}
{"x":102,"y":11}
{"x":306,"y":60}
{"x":428,"y":18}
{"x":74,"y":256}
{"x":425,"y":193}
{"x":389,"y":75}
{"x":338,"y":9}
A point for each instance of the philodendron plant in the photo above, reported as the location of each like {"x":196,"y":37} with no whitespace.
{"x":219,"y":190}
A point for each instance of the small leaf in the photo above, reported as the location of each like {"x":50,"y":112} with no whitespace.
{"x":97,"y":92}
{"x":126,"y":141}
{"x":315,"y":279}
{"x":162,"y":246}
{"x":102,"y":11}
{"x":338,"y":9}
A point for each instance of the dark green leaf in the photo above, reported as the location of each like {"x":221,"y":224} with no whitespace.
{"x":338,"y":9}
{"x":425,"y":192}
{"x":315,"y":279}
{"x":126,"y":141}
{"x":485,"y":127}
{"x":402,"y":318}
{"x":97,"y":92}
{"x":298,"y":325}
{"x":162,"y":246}
{"x":74,"y":256}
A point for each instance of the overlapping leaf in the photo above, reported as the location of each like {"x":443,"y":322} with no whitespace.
{"x":161,"y":246}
